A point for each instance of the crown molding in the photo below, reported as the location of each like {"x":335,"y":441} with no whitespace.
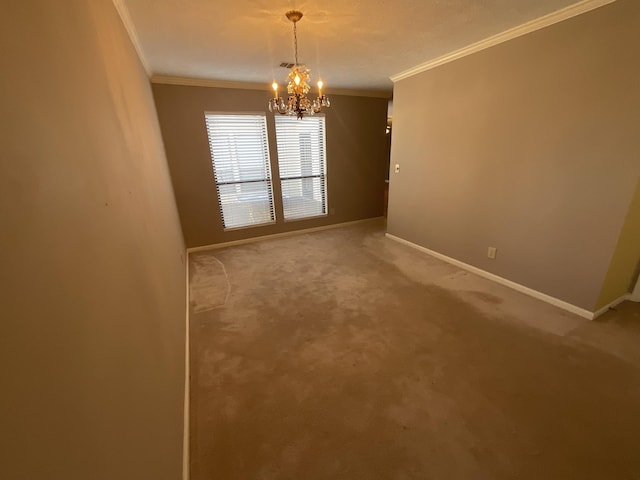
{"x":208,"y":82}
{"x":265,"y":87}
{"x":123,"y":11}
{"x":558,"y":16}
{"x":360,"y":93}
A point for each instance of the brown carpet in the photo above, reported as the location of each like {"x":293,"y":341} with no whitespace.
{"x":344,"y":355}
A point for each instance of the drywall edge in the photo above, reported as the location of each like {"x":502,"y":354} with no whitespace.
{"x":187,"y":381}
{"x":123,"y":12}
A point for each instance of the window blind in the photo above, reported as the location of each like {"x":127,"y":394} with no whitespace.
{"x":302,"y":166}
{"x":240,"y":159}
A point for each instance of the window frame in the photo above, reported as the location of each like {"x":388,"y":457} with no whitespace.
{"x":323,"y":158}
{"x":266,"y":158}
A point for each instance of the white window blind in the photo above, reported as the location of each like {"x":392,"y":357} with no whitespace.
{"x":303,"y":169}
{"x":240,"y":157}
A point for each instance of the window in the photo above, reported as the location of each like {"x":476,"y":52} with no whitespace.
{"x":240,"y":157}
{"x":302,"y":161}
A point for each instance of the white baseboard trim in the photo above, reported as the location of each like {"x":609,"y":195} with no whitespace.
{"x":635,"y":295}
{"x":503,"y":281}
{"x":615,"y":303}
{"x":187,"y":384}
{"x":278,"y":235}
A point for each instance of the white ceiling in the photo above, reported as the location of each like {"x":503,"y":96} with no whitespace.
{"x":354,"y":44}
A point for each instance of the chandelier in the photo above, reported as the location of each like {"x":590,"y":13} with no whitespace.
{"x":297,"y":85}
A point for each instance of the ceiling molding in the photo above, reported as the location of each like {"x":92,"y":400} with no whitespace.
{"x":360,"y":93}
{"x":555,"y":17}
{"x":265,"y":87}
{"x":131,"y":30}
{"x":206,"y":82}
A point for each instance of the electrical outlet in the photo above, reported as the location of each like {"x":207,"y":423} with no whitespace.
{"x":397,"y":168}
{"x":491,"y":252}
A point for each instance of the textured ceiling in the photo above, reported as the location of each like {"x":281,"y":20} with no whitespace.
{"x":350,"y":44}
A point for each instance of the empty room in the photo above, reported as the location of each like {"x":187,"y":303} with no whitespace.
{"x":316,"y":240}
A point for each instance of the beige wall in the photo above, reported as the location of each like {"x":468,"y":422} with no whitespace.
{"x":92,"y":294}
{"x":357,"y":153}
{"x":625,"y":262}
{"x":531,"y":146}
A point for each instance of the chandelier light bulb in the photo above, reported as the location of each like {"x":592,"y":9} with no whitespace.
{"x":297,"y":79}
{"x":274,"y":85}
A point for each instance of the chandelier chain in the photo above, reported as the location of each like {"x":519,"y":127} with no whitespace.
{"x":295,"y":41}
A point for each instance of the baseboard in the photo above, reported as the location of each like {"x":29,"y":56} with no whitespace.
{"x":503,"y":281}
{"x":635,"y":295}
{"x":615,"y":303}
{"x":187,"y":383}
{"x":279,"y":235}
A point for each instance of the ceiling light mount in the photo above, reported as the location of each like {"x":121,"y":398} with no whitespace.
{"x":297,"y":84}
{"x":294,"y":15}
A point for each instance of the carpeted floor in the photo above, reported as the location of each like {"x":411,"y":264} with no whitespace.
{"x":344,"y":355}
